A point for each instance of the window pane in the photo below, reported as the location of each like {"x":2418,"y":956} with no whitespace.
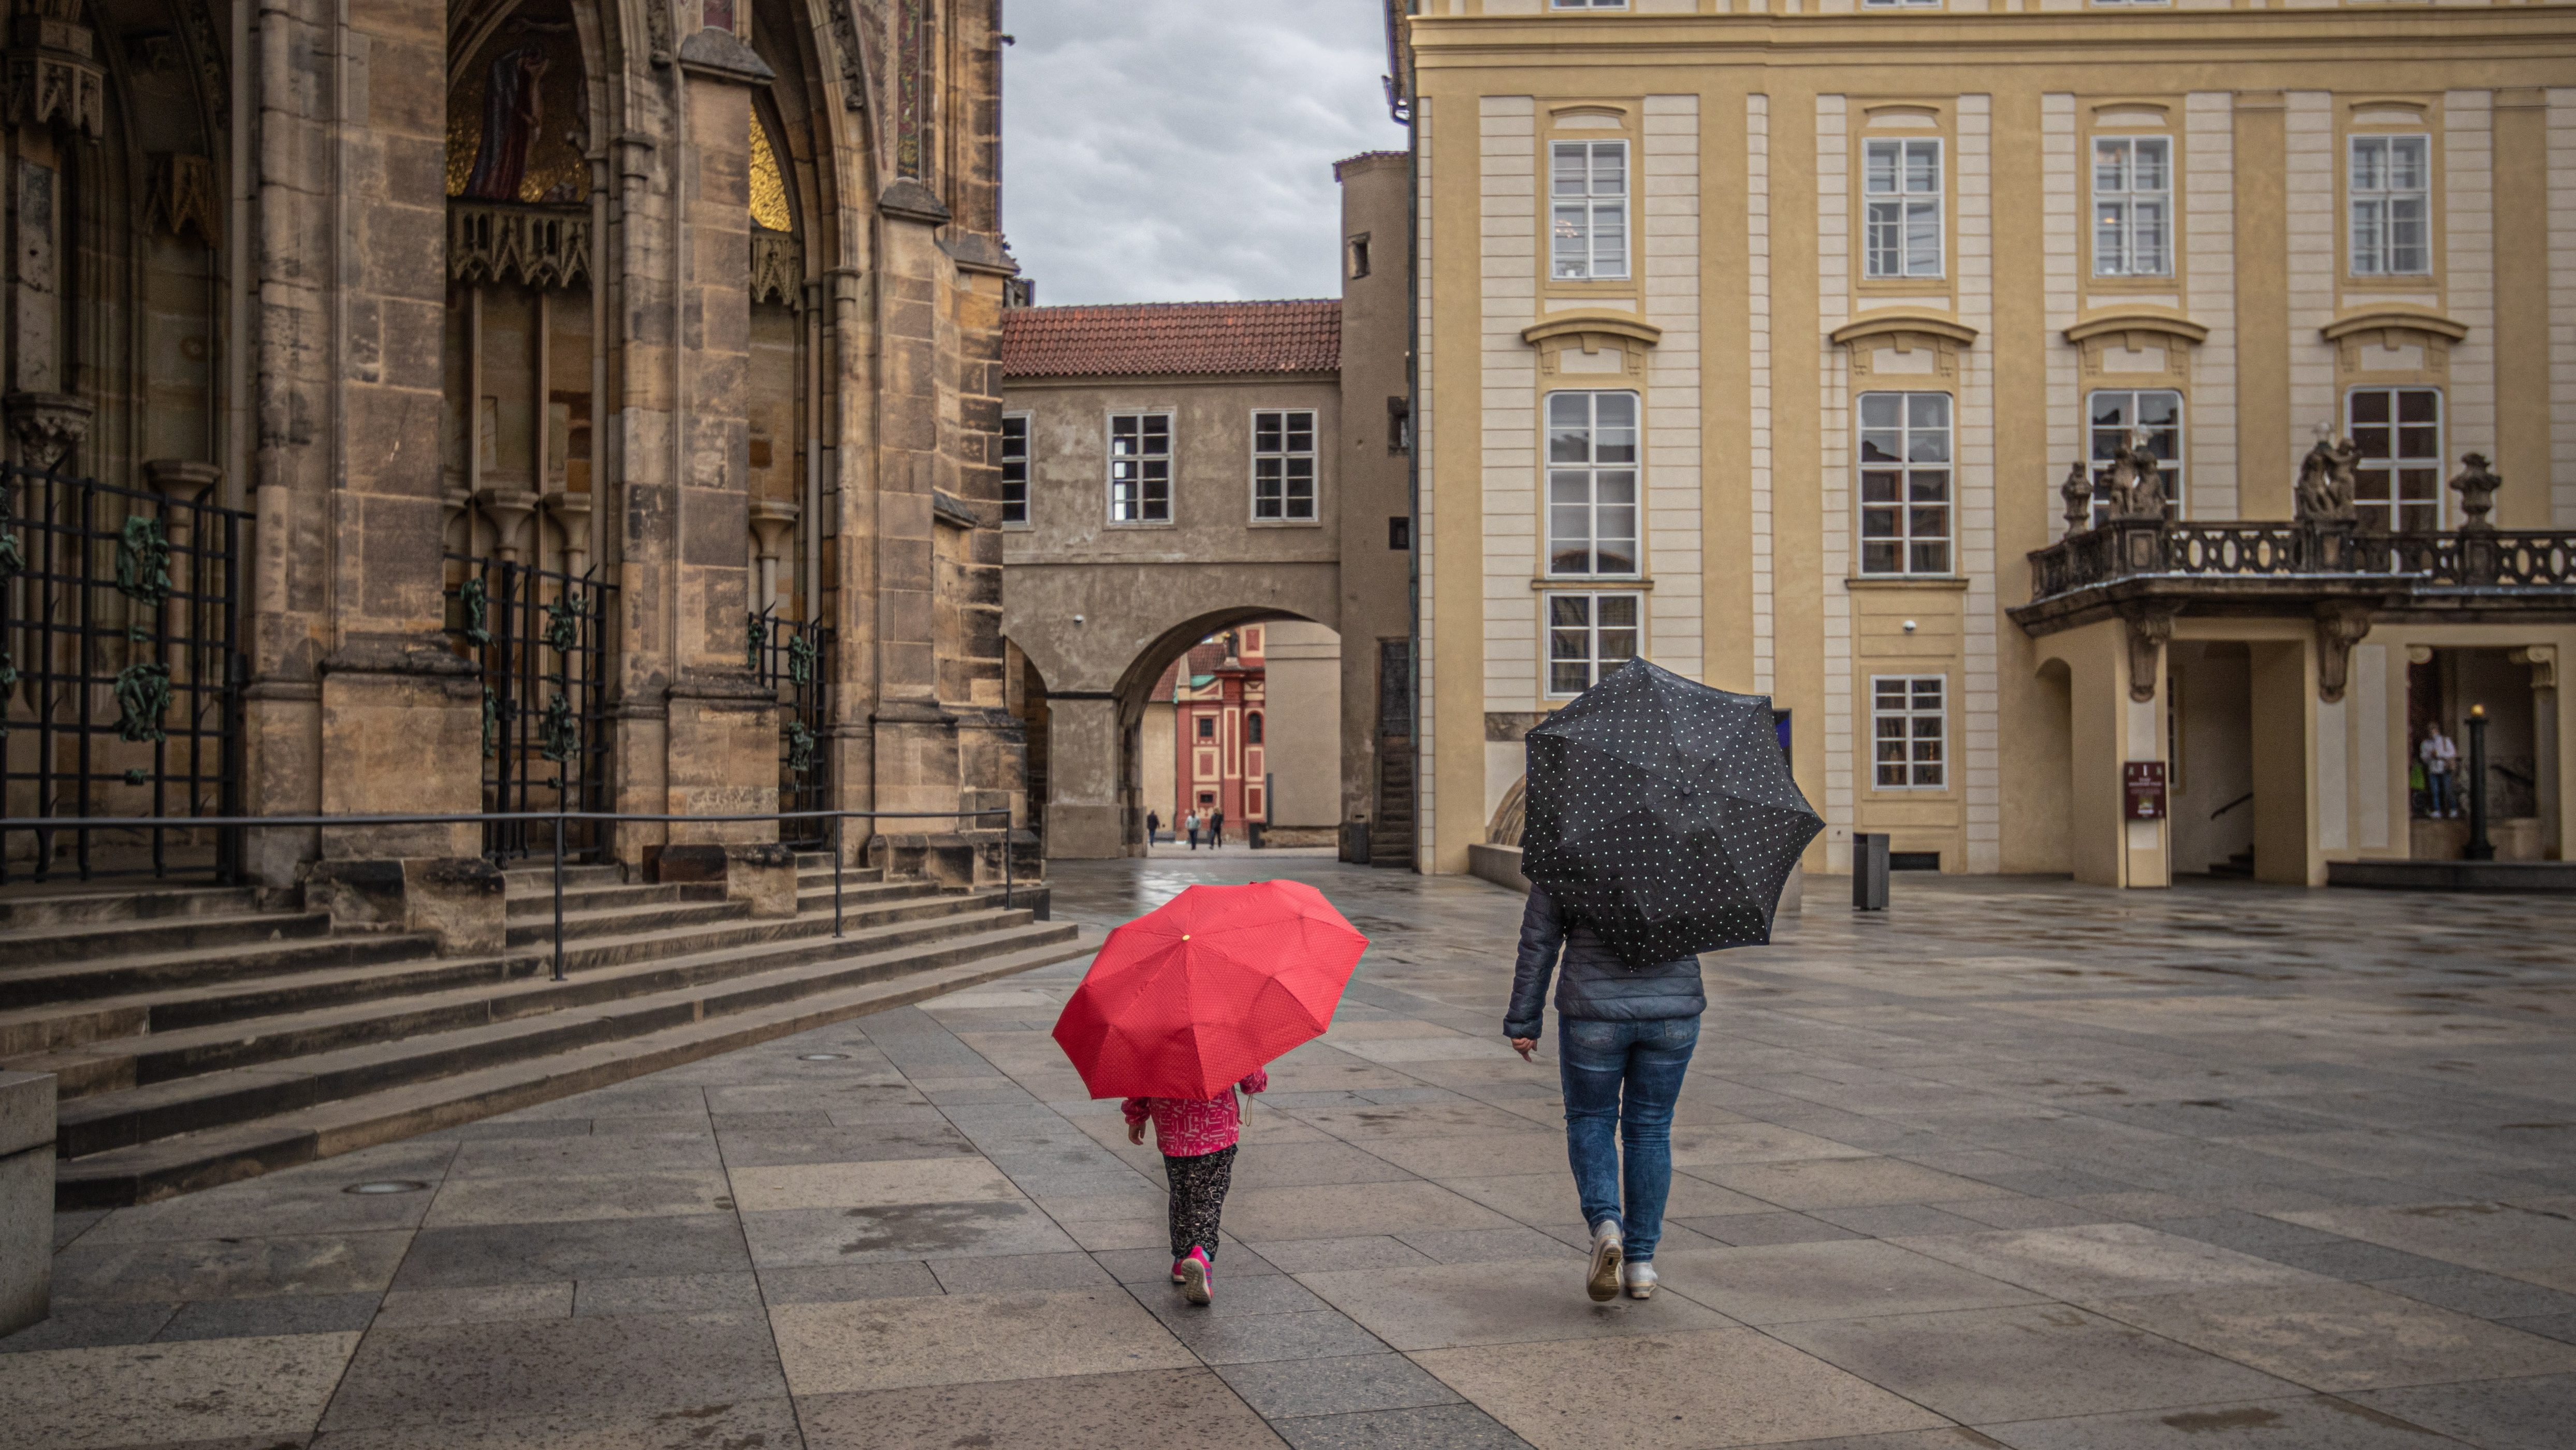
{"x":1879,"y":166}
{"x":2418,"y":405}
{"x":1927,"y":410}
{"x":2147,"y":169}
{"x":1922,"y":166}
{"x":1566,"y":169}
{"x":2370,"y":407}
{"x":1618,"y":610}
{"x":2369,"y":163}
{"x":1881,"y":410}
{"x":2407,"y":170}
{"x":1569,"y":609}
{"x":2110,"y":166}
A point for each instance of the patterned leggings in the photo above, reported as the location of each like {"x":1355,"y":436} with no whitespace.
{"x":1198,"y":1197}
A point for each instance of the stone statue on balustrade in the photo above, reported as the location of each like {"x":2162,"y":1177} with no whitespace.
{"x":2133,"y":487}
{"x":2326,"y":481}
{"x":2476,"y":485}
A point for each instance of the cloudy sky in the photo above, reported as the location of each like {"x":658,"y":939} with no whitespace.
{"x":1183,"y":150}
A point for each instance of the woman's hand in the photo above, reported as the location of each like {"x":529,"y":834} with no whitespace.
{"x":1136,"y":1134}
{"x":1524,"y":1046}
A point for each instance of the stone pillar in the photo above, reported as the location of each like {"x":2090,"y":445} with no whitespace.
{"x":2284,"y":714}
{"x":571,"y":512}
{"x":721,"y":726}
{"x":1085,"y":815}
{"x":57,"y":111}
{"x":26,"y":1199}
{"x":770,"y":521}
{"x":2551,"y":740}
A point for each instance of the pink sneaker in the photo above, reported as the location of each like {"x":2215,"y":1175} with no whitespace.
{"x":1177,"y":1276}
{"x":1195,"y":1271}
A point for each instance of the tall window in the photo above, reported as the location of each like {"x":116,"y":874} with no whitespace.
{"x":2398,"y":482}
{"x":1207,"y":727}
{"x":1592,"y":483}
{"x":2392,"y":206}
{"x":2132,"y":206}
{"x":1140,"y":468}
{"x":1015,"y":468}
{"x":1908,"y":726}
{"x":1252,"y":728}
{"x":2155,"y":414}
{"x":1901,"y":183}
{"x":1283,"y":465}
{"x":1588,"y":635}
{"x":1587,"y":189}
{"x":1905,"y":483}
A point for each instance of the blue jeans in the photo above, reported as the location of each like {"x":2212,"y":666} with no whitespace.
{"x":1598,"y":1060}
{"x":2446,"y":799}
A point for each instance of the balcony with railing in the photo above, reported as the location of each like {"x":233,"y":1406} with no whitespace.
{"x":2328,"y":559}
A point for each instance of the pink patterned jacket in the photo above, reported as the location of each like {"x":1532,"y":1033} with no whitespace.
{"x":1186,"y":1129}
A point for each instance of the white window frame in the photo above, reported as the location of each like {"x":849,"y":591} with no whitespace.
{"x":2373,"y":212}
{"x":1021,"y":459}
{"x":2100,"y":436}
{"x":1132,"y":500}
{"x":1909,"y":438}
{"x":1591,"y":477}
{"x":2117,"y":209}
{"x":1558,"y":629}
{"x":1896,"y":211}
{"x":2398,"y":460}
{"x":1575,"y":248}
{"x":1915,"y":767}
{"x":1587,"y":4}
{"x":1286,"y":458}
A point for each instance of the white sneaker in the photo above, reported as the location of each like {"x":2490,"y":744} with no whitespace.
{"x":1639,"y":1276}
{"x":1603,"y":1282}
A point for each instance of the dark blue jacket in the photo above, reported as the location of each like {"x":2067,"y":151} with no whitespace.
{"x":1595,"y":983}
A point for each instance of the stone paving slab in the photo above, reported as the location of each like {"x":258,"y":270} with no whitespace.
{"x":2018,"y":1163}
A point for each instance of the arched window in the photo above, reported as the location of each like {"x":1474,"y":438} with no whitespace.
{"x":1252,"y":728}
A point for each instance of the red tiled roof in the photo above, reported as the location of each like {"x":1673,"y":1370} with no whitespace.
{"x":1172,"y":337}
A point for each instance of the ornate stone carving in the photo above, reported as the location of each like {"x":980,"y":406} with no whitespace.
{"x":2149,"y":628}
{"x":183,"y":194}
{"x":2340,"y":625}
{"x":2133,"y":487}
{"x":2476,"y":485}
{"x":854,"y":69}
{"x":198,"y":16}
{"x":777,"y":268}
{"x":915,"y":133}
{"x":2326,"y":483}
{"x":47,"y":87}
{"x":2543,"y":662}
{"x":657,"y":32}
{"x":2077,"y":490}
{"x":542,"y":246}
{"x":47,"y":426}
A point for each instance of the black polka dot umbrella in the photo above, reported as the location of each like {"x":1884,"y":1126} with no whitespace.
{"x":1662,"y":814}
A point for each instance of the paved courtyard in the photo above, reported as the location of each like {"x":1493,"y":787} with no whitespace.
{"x":2018,"y":1163}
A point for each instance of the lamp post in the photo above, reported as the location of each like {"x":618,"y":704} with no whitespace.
{"x":2479,"y":848}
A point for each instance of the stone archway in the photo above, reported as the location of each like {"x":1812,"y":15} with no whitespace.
{"x":1100,"y":636}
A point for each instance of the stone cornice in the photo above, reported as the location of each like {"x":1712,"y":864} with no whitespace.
{"x":2394,"y":317}
{"x":1590,"y":325}
{"x":2161,"y":321}
{"x":1904,"y":322}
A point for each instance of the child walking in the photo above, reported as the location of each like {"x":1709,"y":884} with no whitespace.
{"x":1198,"y":1139}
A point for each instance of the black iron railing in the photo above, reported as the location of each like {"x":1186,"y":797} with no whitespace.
{"x":559,"y":826}
{"x":2128,"y":549}
{"x":120,"y":672}
{"x":540,"y":638}
{"x":790,"y":656}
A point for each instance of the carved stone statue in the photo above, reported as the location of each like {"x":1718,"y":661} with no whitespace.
{"x":2326,"y":481}
{"x":2077,"y":490}
{"x":2476,"y":485}
{"x":2134,"y":485}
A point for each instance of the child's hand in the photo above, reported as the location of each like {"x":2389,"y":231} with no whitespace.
{"x":1136,"y":1133}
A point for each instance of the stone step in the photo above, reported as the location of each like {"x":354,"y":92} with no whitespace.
{"x":524,"y":990}
{"x":55,"y":983}
{"x":523,"y":878}
{"x":79,"y":908}
{"x":530,"y":905}
{"x":359,"y":1097}
{"x":97,"y":940}
{"x":391,"y":967}
{"x":695,"y":911}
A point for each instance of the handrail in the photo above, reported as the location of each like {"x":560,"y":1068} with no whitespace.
{"x":44,"y":824}
{"x":2231,"y":805}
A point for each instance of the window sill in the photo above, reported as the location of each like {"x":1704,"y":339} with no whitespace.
{"x":1139,"y":524}
{"x":1284,"y":523}
{"x":1601,"y":584}
{"x":1957,"y":582}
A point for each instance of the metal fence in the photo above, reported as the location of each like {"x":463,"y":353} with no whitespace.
{"x":120,"y":676}
{"x":540,"y":637}
{"x":791,"y":656}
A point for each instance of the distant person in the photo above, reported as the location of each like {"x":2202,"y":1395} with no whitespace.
{"x":2441,"y":772}
{"x":1153,"y":827}
{"x":1216,"y":828}
{"x":1190,"y":823}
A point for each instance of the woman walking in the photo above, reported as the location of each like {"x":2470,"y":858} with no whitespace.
{"x":1624,"y":1038}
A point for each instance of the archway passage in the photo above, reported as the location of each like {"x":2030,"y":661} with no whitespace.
{"x":1192,"y":719}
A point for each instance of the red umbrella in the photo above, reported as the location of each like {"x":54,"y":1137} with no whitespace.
{"x":1189,"y":998}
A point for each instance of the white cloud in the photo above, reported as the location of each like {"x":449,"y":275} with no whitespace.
{"x":1183,"y":150}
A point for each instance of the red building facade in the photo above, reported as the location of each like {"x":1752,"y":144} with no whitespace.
{"x":1220,"y":729}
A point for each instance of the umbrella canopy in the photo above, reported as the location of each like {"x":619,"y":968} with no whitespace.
{"x":1661,"y":813}
{"x":1189,"y":998}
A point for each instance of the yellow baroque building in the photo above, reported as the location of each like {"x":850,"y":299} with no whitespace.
{"x":2034,"y":401}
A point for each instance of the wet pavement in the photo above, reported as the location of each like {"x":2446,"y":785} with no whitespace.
{"x":2016,"y":1163}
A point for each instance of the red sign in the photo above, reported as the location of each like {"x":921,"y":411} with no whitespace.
{"x":2144,"y":786}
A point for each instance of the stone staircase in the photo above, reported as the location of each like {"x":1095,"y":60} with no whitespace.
{"x":1391,"y":833}
{"x":198,"y":1039}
